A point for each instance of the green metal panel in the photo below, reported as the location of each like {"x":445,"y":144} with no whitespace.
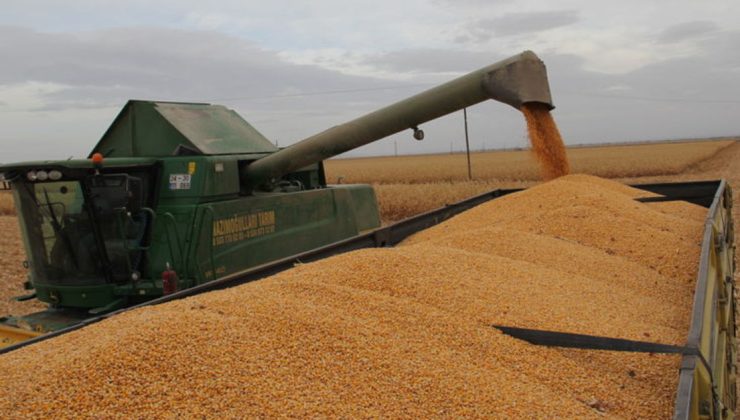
{"x":201,"y":178}
{"x":127,"y":162}
{"x":364,"y":206}
{"x":231,"y":236}
{"x":158,"y":129}
{"x":215,"y":129}
{"x":89,"y":296}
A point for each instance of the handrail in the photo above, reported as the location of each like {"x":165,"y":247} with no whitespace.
{"x":206,"y":209}
{"x":171,"y":218}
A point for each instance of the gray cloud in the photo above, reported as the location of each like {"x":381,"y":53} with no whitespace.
{"x":685,"y":97}
{"x":522,"y":23}
{"x":686,"y":30}
{"x":102,"y":69}
{"x":483,"y":30}
{"x":428,"y":60}
{"x":104,"y":66}
{"x":470,"y":3}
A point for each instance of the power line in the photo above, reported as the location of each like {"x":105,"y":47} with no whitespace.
{"x":404,"y":86}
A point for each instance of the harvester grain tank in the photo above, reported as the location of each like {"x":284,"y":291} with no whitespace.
{"x":175,"y":195}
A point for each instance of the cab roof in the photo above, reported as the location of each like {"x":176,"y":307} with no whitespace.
{"x":159,"y":129}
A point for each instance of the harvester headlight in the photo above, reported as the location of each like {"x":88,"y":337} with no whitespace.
{"x":31,"y":175}
{"x":42,"y":175}
{"x":55,"y":175}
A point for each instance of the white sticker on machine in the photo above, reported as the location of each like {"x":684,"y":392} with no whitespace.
{"x":179,"y":181}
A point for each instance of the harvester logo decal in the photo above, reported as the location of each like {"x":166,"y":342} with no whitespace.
{"x":243,"y":226}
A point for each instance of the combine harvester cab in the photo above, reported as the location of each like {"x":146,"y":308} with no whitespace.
{"x":158,"y":208}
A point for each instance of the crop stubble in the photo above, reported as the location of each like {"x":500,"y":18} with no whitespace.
{"x":409,"y":185}
{"x":406,"y":331}
{"x":508,"y":166}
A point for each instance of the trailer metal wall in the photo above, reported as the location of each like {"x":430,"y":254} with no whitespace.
{"x":706,"y":388}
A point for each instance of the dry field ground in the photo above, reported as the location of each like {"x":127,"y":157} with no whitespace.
{"x":408,"y":185}
{"x":6,"y":204}
{"x":519,"y":165}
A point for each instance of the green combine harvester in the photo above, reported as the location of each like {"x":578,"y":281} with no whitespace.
{"x":176,"y":195}
{"x":183,"y":198}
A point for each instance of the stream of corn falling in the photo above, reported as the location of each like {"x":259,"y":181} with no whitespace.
{"x":544,"y":136}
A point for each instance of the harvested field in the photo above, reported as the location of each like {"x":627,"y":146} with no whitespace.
{"x":399,"y":201}
{"x":423,"y":183}
{"x":405,"y":332}
{"x":620,"y":161}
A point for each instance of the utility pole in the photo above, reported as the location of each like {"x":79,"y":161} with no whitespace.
{"x":467,"y":143}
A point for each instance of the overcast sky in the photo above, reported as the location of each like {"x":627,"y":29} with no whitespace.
{"x":619,"y":71}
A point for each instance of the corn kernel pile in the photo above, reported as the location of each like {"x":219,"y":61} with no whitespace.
{"x":405,"y":332}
